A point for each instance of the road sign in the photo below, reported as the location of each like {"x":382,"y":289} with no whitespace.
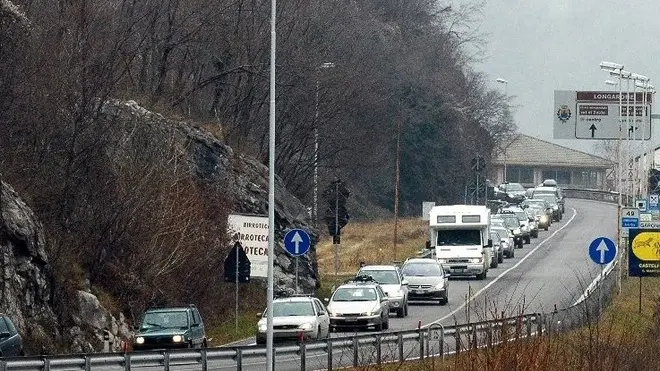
{"x":644,"y":253}
{"x":649,"y":225}
{"x":641,"y":205}
{"x":297,"y":242}
{"x":653,"y":199}
{"x":237,"y":265}
{"x":629,"y":222}
{"x":252,"y":232}
{"x":478,"y":163}
{"x":602,"y":250}
{"x":595,"y":115}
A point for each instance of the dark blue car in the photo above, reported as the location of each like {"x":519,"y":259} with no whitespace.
{"x":11,"y":344}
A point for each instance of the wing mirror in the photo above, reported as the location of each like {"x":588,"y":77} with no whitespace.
{"x":404,"y":283}
{"x":4,"y":335}
{"x":258,"y":315}
{"x":490,"y":243}
{"x":428,"y":244}
{"x":327,"y":300}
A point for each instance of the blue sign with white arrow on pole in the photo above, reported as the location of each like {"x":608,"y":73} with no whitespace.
{"x":297,"y":242}
{"x":602,"y":250}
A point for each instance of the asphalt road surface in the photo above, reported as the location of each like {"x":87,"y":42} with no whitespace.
{"x":554,"y":270}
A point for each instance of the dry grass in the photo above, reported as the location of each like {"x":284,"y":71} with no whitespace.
{"x":372,"y":243}
{"x":623,"y":339}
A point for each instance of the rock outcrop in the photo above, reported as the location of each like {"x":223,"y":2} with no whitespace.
{"x":244,"y":178}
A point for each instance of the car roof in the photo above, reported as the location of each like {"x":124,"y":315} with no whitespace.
{"x":291,"y":299}
{"x":422,"y":260}
{"x":168,"y":309}
{"x":544,"y":188}
{"x":379,"y":267}
{"x":352,"y":285}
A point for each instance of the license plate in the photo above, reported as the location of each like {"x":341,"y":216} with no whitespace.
{"x":350,"y":319}
{"x":418,"y":291}
{"x":459,"y":270}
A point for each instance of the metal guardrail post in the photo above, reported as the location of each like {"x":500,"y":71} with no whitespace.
{"x":355,"y":351}
{"x":474,"y":337}
{"x":303,"y":356}
{"x":46,"y":364}
{"x":88,"y":363}
{"x":399,"y":341}
{"x":239,"y":359}
{"x":329,"y":354}
{"x":205,"y":363}
{"x":166,"y":361}
{"x":529,"y":327}
{"x":489,"y":336}
{"x":539,"y":324}
{"x":127,"y":361}
{"x":379,"y":353}
{"x":3,"y":365}
{"x":457,"y":338}
{"x":421,"y":344}
{"x":441,"y":346}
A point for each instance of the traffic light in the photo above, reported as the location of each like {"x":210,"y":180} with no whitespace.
{"x":336,"y":215}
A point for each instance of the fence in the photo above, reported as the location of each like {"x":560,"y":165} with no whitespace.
{"x":357,"y":350}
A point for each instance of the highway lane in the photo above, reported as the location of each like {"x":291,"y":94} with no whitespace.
{"x":553,"y":269}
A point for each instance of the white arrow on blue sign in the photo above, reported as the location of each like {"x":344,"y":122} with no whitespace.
{"x":602,"y":250}
{"x":297,"y":242}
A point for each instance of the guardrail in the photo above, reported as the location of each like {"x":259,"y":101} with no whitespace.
{"x":597,"y":195}
{"x":361,"y":349}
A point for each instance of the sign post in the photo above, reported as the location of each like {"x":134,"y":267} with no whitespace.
{"x":237,"y":268}
{"x":602,"y":251}
{"x":296,"y":243}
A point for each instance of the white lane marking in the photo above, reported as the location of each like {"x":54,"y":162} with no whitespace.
{"x":503,"y":273}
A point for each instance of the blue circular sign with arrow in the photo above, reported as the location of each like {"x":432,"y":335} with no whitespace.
{"x":602,"y":250}
{"x":297,"y":242}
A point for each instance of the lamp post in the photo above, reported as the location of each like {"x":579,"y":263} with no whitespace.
{"x":648,"y":156}
{"x":506,"y":85}
{"x":315,"y":208}
{"x":612,"y":67}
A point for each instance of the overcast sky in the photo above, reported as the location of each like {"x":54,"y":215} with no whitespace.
{"x":540,"y":46}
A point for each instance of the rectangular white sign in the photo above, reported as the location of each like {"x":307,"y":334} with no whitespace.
{"x":252,"y":232}
{"x":595,"y":115}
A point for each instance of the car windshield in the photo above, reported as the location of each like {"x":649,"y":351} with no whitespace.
{"x":354,"y":294}
{"x":457,"y":237}
{"x":292,"y":308}
{"x":547,"y":196}
{"x":384,"y":277}
{"x":511,"y":221}
{"x":170,"y":319}
{"x":513,"y":187}
{"x":422,"y":269}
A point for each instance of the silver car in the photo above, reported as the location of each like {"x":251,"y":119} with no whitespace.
{"x":497,"y":252}
{"x":359,"y":304}
{"x":506,"y":239}
{"x":297,"y":317}
{"x":389,"y":277}
{"x":427,"y":280}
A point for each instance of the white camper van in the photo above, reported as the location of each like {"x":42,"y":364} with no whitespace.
{"x":460,"y":235}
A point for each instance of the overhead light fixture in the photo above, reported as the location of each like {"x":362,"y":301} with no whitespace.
{"x":610,"y":82}
{"x":501,"y":80}
{"x":610,"y":66}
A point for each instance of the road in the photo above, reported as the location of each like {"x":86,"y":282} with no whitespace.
{"x":553,"y":270}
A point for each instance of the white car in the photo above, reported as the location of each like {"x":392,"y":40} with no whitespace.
{"x":389,"y":277}
{"x":361,"y":303}
{"x":297,"y":317}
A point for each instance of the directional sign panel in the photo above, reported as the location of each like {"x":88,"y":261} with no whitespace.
{"x":644,"y":253}
{"x":599,"y":115}
{"x":602,"y":250}
{"x":297,"y":242}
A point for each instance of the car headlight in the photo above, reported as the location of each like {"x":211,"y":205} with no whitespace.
{"x":476,"y":260}
{"x":516,"y":231}
{"x":440,"y":285}
{"x":262,"y":327}
{"x":139,"y":340}
{"x":395,"y":294}
{"x":375,"y":310}
{"x":442,"y":261}
{"x":555,"y":208}
{"x":305,"y":326}
{"x":177,"y":338}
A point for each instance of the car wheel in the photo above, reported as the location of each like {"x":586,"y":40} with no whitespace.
{"x":545,"y":228}
{"x":386,"y":324}
{"x":406,"y":308}
{"x":494,"y":263}
{"x":401,"y":312}
{"x":500,"y":258}
{"x":512,"y":253}
{"x":445,"y":300}
{"x":205,"y":344}
{"x":482,"y":276}
{"x":528,"y":240}
{"x":520,"y":244}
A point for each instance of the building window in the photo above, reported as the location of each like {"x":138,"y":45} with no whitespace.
{"x":562,"y":177}
{"x":520,"y":174}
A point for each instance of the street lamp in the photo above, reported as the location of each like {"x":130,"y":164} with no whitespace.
{"x":315,"y":208}
{"x":506,"y":84}
{"x":612,"y":83}
{"x":503,"y":81}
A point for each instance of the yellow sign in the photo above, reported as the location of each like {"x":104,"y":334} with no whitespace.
{"x":646,"y":246}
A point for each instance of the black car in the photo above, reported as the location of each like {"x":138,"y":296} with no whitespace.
{"x":171,"y":327}
{"x":11,"y":344}
{"x":511,"y":192}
